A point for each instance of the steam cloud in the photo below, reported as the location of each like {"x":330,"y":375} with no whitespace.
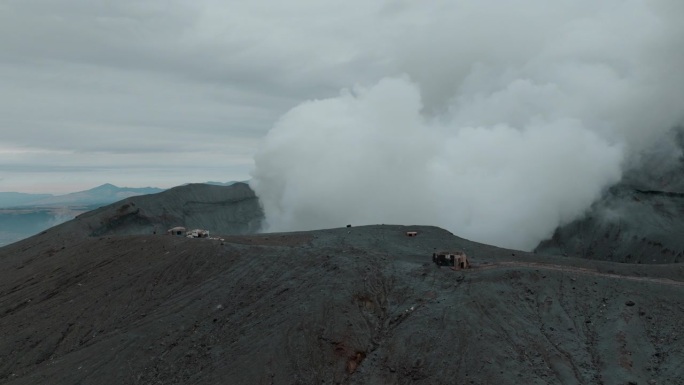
{"x":498,"y":123}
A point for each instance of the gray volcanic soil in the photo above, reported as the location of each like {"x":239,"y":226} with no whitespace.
{"x":627,"y":225}
{"x":361,"y":305}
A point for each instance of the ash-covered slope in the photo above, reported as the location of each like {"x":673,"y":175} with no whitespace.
{"x":344,"y":306}
{"x":230,"y":209}
{"x":640,"y":220}
{"x":627,"y":225}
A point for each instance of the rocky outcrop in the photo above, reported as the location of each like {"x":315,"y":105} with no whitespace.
{"x":221,"y":209}
{"x":640,"y":220}
{"x":627,"y":225}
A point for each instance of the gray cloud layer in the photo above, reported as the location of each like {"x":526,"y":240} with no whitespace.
{"x":185,"y":86}
{"x":509,"y":120}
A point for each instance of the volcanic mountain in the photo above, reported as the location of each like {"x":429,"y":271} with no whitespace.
{"x":230,"y":209}
{"x":640,"y":220}
{"x":87,"y":303}
{"x":23,"y":215}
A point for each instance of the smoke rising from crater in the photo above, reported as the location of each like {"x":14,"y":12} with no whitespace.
{"x":498,"y":124}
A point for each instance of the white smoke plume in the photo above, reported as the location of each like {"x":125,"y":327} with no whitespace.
{"x":497,"y":122}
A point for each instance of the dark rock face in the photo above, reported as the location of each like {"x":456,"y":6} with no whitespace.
{"x":361,"y":305}
{"x":640,"y":220}
{"x":628,"y":225}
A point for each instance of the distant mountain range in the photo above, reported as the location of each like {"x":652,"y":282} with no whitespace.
{"x":14,"y":199}
{"x":106,"y":193}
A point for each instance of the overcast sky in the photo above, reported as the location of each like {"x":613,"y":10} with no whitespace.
{"x":164,"y":92}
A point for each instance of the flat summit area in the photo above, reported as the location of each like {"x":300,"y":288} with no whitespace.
{"x":358,"y":305}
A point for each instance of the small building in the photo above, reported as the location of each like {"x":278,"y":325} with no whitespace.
{"x":411,"y":233}
{"x":179,"y":230}
{"x":461,"y":261}
{"x":197,"y":233}
{"x":457,"y":259}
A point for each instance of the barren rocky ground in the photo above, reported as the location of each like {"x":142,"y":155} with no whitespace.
{"x":628,"y":225}
{"x":360,"y":305}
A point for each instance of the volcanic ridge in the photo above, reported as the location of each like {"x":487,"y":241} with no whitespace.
{"x":109,"y":298}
